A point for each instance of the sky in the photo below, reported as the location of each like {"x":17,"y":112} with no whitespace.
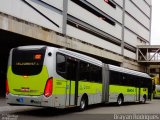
{"x":155,"y":26}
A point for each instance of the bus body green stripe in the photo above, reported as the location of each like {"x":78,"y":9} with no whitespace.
{"x":89,"y":87}
{"x":63,"y":87}
{"x":127,"y":90}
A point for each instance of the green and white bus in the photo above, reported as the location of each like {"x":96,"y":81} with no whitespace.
{"x":156,"y":92}
{"x":54,"y":77}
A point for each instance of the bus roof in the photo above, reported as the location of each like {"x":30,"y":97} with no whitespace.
{"x":81,"y":56}
{"x":127,"y":71}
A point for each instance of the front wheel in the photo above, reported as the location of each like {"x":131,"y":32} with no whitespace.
{"x":119,"y":100}
{"x":83,"y":104}
{"x":144,"y":99}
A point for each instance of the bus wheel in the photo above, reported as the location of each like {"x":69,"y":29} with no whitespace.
{"x":119,"y":100}
{"x":83,"y":103}
{"x":144,"y":99}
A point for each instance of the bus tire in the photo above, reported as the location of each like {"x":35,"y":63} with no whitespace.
{"x":144,"y":99}
{"x":83,"y":103}
{"x":120,"y":100}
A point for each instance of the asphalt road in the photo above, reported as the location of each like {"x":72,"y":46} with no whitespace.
{"x":133,"y":111}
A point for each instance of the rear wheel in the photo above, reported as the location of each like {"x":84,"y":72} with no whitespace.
{"x":144,"y":99}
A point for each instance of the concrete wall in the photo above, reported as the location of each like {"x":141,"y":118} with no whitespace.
{"x":66,"y":23}
{"x":21,"y":10}
{"x":31,"y":30}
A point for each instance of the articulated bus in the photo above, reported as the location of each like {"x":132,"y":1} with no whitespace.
{"x":54,"y":77}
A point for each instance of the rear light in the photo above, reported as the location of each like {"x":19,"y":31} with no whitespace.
{"x":7,"y":87}
{"x":48,"y":87}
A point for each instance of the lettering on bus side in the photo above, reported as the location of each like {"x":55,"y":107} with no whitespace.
{"x":82,"y":87}
{"x":130,"y":90}
{"x":59,"y":83}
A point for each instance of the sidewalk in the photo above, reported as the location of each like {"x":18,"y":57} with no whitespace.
{"x":3,"y":101}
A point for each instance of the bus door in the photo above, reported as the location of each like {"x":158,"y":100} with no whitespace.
{"x":72,"y":81}
{"x":138,"y":94}
{"x":138,"y":90}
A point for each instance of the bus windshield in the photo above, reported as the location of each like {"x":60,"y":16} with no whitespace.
{"x":28,"y":62}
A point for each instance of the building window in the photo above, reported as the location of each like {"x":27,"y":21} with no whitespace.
{"x":92,"y":9}
{"x":110,"y":3}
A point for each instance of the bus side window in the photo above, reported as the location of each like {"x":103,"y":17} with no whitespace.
{"x":72,"y":66}
{"x":116,"y":78}
{"x":84,"y":71}
{"x":129,"y":80}
{"x":95,"y":74}
{"x":61,"y":65}
{"x":141,"y":82}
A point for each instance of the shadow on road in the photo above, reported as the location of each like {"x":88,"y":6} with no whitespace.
{"x":51,"y":112}
{"x":96,"y":106}
{"x":46,"y":112}
{"x":125,"y":104}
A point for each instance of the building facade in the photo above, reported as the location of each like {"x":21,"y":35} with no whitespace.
{"x":106,"y":29}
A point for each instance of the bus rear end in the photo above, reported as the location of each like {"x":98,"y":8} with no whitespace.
{"x":28,"y":81}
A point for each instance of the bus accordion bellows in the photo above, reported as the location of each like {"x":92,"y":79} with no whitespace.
{"x":54,"y":77}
